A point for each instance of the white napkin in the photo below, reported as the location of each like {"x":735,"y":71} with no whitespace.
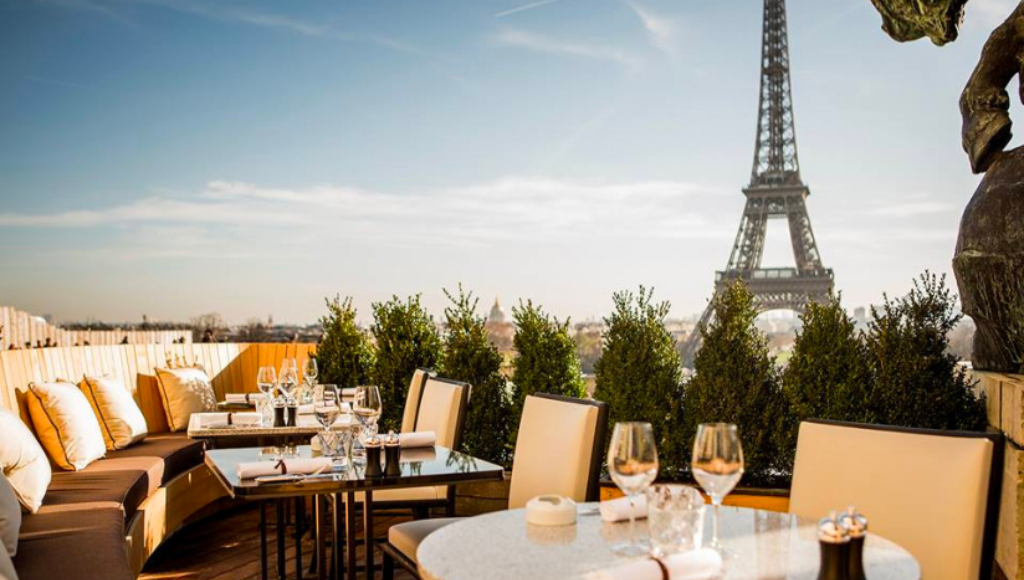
{"x":417,"y":439}
{"x":304,"y":466}
{"x":306,"y":409}
{"x":617,"y":510}
{"x":310,"y":408}
{"x":700,"y":564}
{"x":244,"y":398}
{"x":348,"y":393}
{"x":213,"y":420}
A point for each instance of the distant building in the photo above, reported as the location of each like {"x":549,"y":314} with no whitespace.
{"x":497,"y":315}
{"x":499,"y":330}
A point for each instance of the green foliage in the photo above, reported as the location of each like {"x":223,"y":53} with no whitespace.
{"x":736,"y":381}
{"x":344,"y":356}
{"x":828,"y":376}
{"x":639,"y":373}
{"x":470,"y":357}
{"x":917,"y":381}
{"x":546,"y":358}
{"x":406,"y":339}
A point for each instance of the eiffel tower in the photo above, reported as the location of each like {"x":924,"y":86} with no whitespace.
{"x":776,"y":191}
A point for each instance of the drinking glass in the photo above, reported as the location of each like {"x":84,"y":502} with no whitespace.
{"x":326,"y":406}
{"x":367,"y":408}
{"x":288,"y":377}
{"x":309,"y":374}
{"x":675,"y":518}
{"x":266,"y":381}
{"x":633,"y":465}
{"x":717,"y":466}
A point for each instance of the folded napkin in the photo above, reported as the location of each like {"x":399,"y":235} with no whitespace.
{"x":244,"y":398}
{"x":214,"y":420}
{"x":303,"y":466}
{"x":310,"y":408}
{"x":348,"y":393}
{"x":417,"y":439}
{"x":700,"y":564}
{"x":617,"y":510}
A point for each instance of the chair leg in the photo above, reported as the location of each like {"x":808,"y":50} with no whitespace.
{"x":420,"y":513}
{"x":388,"y":571}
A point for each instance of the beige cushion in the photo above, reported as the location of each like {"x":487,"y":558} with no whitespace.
{"x":10,"y":517}
{"x":7,"y":571}
{"x":439,"y":410}
{"x":65,"y":424}
{"x":121,"y":421}
{"x":23,"y":461}
{"x":408,"y":536}
{"x":185,"y":391}
{"x":924,"y":492}
{"x":553,"y":450}
{"x":404,"y":494}
{"x":412,"y":400}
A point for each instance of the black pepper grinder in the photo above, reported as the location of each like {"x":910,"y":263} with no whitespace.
{"x":372,"y":447}
{"x":291,"y":415}
{"x":392,"y":455}
{"x":856,"y":526}
{"x":279,"y":409}
{"x":835,"y":549}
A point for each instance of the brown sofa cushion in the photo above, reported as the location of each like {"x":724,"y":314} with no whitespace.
{"x":80,"y":541}
{"x":177,"y":452}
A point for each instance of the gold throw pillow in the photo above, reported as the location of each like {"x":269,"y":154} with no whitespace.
{"x":185,"y":391}
{"x":121,"y":420}
{"x":66,"y":425}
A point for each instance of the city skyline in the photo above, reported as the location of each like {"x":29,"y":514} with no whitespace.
{"x":176,"y":158}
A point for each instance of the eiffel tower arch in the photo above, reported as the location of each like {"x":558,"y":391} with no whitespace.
{"x":776,"y":191}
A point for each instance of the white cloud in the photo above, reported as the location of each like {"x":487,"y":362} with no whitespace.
{"x":910,"y":206}
{"x":514,"y":209}
{"x":660,"y":29}
{"x":524,"y":7}
{"x":541,"y":43}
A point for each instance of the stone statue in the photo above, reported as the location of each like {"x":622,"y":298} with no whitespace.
{"x":989,"y":259}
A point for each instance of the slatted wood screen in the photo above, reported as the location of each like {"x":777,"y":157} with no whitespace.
{"x":21,"y":327}
{"x":231,"y":366}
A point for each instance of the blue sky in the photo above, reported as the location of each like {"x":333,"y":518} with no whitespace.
{"x":176,"y":157}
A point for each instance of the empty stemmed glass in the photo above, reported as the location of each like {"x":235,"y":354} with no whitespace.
{"x":309,"y":374}
{"x":266,"y":381}
{"x":367,"y":408}
{"x":633,"y":465}
{"x":288,"y":377}
{"x":326,"y":407}
{"x":717,"y":466}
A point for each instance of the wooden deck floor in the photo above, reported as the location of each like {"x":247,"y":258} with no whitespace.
{"x":226,"y":546}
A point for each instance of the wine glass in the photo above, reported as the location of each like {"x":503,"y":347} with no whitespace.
{"x":326,"y":406}
{"x":266,"y":381}
{"x":367,"y":408}
{"x":309,"y":374}
{"x":633,"y":465}
{"x":288,"y":377}
{"x":717,"y":466}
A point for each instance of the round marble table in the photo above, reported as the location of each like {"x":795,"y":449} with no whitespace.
{"x":768,"y":545}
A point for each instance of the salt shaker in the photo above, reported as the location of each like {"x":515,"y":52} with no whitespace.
{"x":372,"y":447}
{"x":856,"y":526}
{"x":835,"y":549}
{"x":392,"y":455}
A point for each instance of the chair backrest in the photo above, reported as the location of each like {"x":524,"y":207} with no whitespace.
{"x":412,"y":399}
{"x":936,"y":493}
{"x":559,"y":449}
{"x":442,"y":409}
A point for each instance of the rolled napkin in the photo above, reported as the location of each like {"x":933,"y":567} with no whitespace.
{"x":310,"y":408}
{"x":215,"y":420}
{"x":702,"y":564}
{"x":244,"y":398}
{"x":417,"y":439}
{"x":617,"y":510}
{"x":348,"y":393}
{"x":299,"y":465}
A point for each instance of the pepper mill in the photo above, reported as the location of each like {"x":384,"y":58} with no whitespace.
{"x":291,"y":416}
{"x":279,"y":410}
{"x":835,"y":549}
{"x":856,"y":526}
{"x":392,"y":455}
{"x":372,"y":447}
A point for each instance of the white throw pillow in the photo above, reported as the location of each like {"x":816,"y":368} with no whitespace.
{"x":121,"y":420}
{"x":10,"y":517}
{"x":66,"y":425}
{"x":23,"y":461}
{"x":7,"y":571}
{"x":185,"y":391}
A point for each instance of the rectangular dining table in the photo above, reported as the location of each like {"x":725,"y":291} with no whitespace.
{"x":419,"y":467}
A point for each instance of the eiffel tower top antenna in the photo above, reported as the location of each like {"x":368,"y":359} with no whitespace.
{"x":776,"y":190}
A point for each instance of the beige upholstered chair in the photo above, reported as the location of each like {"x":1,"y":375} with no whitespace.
{"x":558,"y":451}
{"x":936,"y":493}
{"x":412,"y":399}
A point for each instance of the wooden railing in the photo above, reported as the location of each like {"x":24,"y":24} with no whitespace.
{"x":232,"y":368}
{"x":21,"y":327}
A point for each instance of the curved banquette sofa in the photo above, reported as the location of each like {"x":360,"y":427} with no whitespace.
{"x":103,"y":522}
